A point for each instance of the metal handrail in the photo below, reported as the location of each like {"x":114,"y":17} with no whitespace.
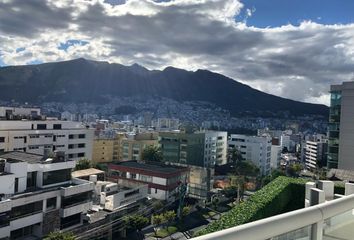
{"x":280,"y":224}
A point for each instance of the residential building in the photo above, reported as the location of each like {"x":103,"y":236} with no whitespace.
{"x":200,"y":151}
{"x":163,"y":180}
{"x":113,"y":196}
{"x":255,"y":149}
{"x":45,"y":136}
{"x":39,"y":196}
{"x":10,"y":113}
{"x":275,"y":156}
{"x":341,"y":127}
{"x":103,"y":150}
{"x":132,"y":146}
{"x":315,"y":151}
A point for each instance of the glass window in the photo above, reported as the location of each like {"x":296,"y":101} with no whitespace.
{"x":51,"y":203}
{"x":58,"y":176}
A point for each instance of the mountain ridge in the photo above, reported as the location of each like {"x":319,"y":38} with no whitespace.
{"x":82,"y":80}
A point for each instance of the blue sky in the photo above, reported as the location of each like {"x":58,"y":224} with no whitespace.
{"x":273,"y":13}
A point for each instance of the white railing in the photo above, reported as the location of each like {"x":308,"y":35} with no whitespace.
{"x":272,"y":227}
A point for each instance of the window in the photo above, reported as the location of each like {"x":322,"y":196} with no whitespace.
{"x":133,"y":175}
{"x":81,"y":145}
{"x":76,"y":199}
{"x":2,"y":139}
{"x":71,"y":146}
{"x":57,"y":176}
{"x":16,"y":185}
{"x":71,"y":136}
{"x":28,"y":209}
{"x":81,"y":154}
{"x":131,"y":193}
{"x":31,"y":180}
{"x":82,"y":135}
{"x":70,"y":155}
{"x":41,"y":126}
{"x":56,"y":126}
{"x":51,"y":203}
{"x":4,"y":219}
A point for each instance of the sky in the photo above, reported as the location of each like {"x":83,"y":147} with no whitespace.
{"x":293,"y":49}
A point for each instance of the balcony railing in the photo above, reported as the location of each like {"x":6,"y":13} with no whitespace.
{"x":329,"y":220}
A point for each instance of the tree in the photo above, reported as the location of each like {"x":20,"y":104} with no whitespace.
{"x":157,"y":220}
{"x":136,"y":222}
{"x":60,"y":236}
{"x":186,"y":210}
{"x":169,"y":216}
{"x":83,"y":164}
{"x":152,"y":153}
{"x":293,"y":170}
{"x":215,"y":202}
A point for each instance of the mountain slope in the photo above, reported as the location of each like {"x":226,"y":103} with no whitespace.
{"x":90,"y":81}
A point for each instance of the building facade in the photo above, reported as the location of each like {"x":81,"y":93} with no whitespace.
{"x":341,"y":127}
{"x":132,"y":146}
{"x":163,"y":181}
{"x":45,"y":136}
{"x":254,"y":149}
{"x":38,"y":195}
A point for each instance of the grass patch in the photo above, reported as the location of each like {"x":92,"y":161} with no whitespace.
{"x":164,"y":232}
{"x":209,"y":214}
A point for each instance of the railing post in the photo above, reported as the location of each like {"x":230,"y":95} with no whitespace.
{"x":317,"y":231}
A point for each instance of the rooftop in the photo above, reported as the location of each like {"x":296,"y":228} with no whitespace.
{"x":152,"y":167}
{"x":31,"y":158}
{"x":86,"y":172}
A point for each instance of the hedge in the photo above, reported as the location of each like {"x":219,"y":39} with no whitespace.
{"x":281,"y":195}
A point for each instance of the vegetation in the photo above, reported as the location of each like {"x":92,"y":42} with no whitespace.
{"x":275,"y":173}
{"x":152,"y":153}
{"x":281,"y":195}
{"x":83,"y":164}
{"x":186,"y":210}
{"x":294,"y":170}
{"x":136,"y":222}
{"x":164,"y":232}
{"x":60,"y":236}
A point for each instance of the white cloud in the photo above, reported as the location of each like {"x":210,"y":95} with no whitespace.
{"x":298,"y":62}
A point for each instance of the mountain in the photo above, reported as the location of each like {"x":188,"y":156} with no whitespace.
{"x":82,"y":80}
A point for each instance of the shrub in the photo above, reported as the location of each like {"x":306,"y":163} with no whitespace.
{"x":281,"y":195}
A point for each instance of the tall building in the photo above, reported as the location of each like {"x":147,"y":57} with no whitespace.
{"x":102,"y":150}
{"x":255,"y":149}
{"x":43,"y":136}
{"x":315,"y":152}
{"x":341,"y":127}
{"x":201,"y":151}
{"x":39,"y":196}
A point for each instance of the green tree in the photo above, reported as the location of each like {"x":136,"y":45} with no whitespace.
{"x":83,"y":164}
{"x":157,"y":220}
{"x":152,"y":153}
{"x":169,"y":216}
{"x":60,"y":236}
{"x":136,"y":222}
{"x":186,"y":210}
{"x":215,"y":202}
{"x":294,"y":169}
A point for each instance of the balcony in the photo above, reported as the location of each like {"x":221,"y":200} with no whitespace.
{"x":82,"y":207}
{"x":79,"y":186}
{"x":325,"y":221}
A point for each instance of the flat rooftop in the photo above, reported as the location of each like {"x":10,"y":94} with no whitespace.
{"x":17,"y":156}
{"x":153,"y":167}
{"x":86,"y":172}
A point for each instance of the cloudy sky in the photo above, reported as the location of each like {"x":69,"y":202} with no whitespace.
{"x":294,"y":49}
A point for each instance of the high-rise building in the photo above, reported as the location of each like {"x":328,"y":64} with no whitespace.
{"x":255,"y":149}
{"x":201,"y":151}
{"x":341,"y":127}
{"x":315,"y":151}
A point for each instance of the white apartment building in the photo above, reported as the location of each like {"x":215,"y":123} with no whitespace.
{"x":255,"y":149}
{"x":275,"y":156}
{"x":44,"y":136}
{"x":38,"y":195}
{"x":215,"y":149}
{"x":10,"y":112}
{"x":315,"y":153}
